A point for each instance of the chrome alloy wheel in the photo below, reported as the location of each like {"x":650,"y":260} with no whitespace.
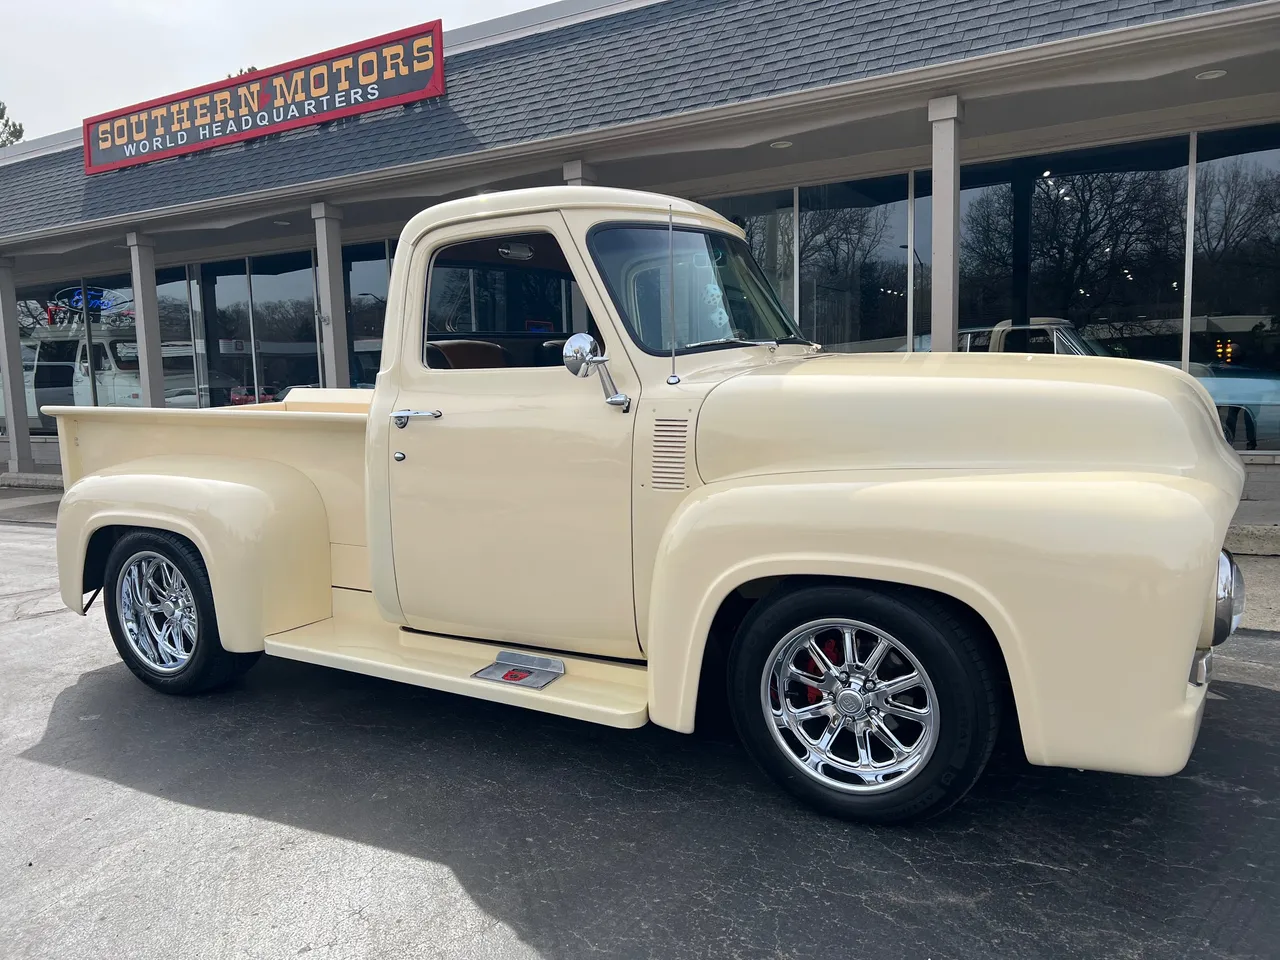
{"x":157,"y":612}
{"x":850,"y":706}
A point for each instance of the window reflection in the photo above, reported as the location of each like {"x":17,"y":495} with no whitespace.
{"x":284,"y":323}
{"x":1092,"y":240}
{"x":853,"y":264}
{"x":1235,"y":308}
{"x":224,"y":297}
{"x":366,"y":273}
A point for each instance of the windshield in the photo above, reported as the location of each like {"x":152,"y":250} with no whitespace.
{"x":721,"y":297}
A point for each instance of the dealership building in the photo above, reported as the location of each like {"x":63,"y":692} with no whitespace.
{"x":1055,"y":176}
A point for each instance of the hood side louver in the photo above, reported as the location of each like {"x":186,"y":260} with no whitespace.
{"x":670,"y":454}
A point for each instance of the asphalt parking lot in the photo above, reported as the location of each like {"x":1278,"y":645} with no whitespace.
{"x":307,"y":812}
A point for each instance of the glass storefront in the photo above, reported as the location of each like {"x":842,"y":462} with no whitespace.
{"x":227,"y":373}
{"x":1081,"y":252}
{"x":366,"y":269}
{"x":283,"y":319}
{"x":854,"y":283}
{"x":75,"y":339}
{"x":1235,"y":302}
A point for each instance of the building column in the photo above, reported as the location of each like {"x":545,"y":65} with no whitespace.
{"x":579,"y":174}
{"x":944,"y":116}
{"x":333,"y":297}
{"x":15,"y":389}
{"x":142,"y":257}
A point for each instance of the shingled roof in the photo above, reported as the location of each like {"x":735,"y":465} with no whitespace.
{"x":643,"y":63}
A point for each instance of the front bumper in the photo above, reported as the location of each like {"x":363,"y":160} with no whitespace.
{"x":1228,"y":607}
{"x":1228,"y":611}
{"x":1201,"y":668}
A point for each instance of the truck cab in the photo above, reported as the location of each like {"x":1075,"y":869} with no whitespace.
{"x":601,"y":474}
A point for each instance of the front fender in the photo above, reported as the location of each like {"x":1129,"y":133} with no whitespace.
{"x":260,"y":526}
{"x":1094,"y":586}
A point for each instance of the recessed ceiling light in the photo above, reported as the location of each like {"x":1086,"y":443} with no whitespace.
{"x":780,"y":144}
{"x":281,"y":223}
{"x":1211,"y":74}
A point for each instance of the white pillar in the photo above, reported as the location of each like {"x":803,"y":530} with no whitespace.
{"x":579,"y":174}
{"x":15,"y":390}
{"x":333,"y":298}
{"x":142,"y":256}
{"x":945,"y":115}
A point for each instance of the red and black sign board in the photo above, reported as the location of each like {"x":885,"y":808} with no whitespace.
{"x":383,"y":72}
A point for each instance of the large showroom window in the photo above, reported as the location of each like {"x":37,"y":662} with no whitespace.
{"x":366,"y":271}
{"x":76,"y":338}
{"x":854,"y":284}
{"x":1235,"y":304}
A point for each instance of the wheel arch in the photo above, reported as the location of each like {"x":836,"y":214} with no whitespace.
{"x":739,"y":603}
{"x":260,"y":529}
{"x":677,"y":679}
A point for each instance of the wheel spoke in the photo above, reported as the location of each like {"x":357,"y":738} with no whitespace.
{"x":898,"y":684}
{"x":862,"y":739}
{"x":907,"y":711}
{"x":872,"y":663}
{"x":800,"y":714}
{"x":820,"y":749}
{"x":887,"y":737}
{"x":850,"y":648}
{"x":820,"y":658}
{"x":794,"y":673}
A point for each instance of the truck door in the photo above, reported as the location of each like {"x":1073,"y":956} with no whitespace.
{"x":511,"y":508}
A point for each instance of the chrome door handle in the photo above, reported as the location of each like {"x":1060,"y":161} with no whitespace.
{"x":401,"y":418}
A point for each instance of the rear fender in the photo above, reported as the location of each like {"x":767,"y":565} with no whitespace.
{"x":259,"y":525}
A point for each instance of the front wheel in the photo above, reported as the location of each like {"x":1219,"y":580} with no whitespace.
{"x":159,"y":609}
{"x":872,"y":706}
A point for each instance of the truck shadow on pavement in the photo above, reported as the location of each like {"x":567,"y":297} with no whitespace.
{"x":592,"y":841}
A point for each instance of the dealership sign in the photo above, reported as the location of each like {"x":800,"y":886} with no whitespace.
{"x":382,"y":72}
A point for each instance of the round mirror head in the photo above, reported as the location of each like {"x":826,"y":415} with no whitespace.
{"x":579,"y":351}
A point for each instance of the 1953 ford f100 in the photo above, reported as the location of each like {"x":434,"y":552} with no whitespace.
{"x":867,"y":560}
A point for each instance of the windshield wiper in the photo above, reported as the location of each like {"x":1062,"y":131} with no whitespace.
{"x":749,"y":343}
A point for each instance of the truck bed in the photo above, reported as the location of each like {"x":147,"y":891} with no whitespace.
{"x":320,"y":433}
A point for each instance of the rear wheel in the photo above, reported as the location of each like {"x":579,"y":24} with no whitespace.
{"x":880,"y":707}
{"x":160,"y":612}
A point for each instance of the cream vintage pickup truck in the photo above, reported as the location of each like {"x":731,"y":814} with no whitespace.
{"x":603,"y":476}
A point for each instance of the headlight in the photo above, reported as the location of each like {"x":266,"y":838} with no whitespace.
{"x":1228,"y":609}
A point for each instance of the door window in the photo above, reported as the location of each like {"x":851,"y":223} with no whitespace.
{"x":508,"y":301}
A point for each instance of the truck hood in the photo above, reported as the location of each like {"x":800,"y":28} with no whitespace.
{"x":951,"y":412}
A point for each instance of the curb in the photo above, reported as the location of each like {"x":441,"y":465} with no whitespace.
{"x":1254,"y":540}
{"x":32,"y":481}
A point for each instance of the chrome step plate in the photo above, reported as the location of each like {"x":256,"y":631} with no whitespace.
{"x":522,"y":670}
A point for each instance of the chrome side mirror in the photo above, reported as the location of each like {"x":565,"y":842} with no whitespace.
{"x":579,"y":352}
{"x":582,"y":357}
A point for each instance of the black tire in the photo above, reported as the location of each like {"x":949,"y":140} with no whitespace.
{"x":210,"y":665}
{"x":956,"y":660}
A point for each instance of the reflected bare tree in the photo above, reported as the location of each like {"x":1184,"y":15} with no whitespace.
{"x":851,"y":278}
{"x":1106,"y":252}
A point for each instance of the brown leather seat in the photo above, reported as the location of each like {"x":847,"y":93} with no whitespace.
{"x":472,"y":354}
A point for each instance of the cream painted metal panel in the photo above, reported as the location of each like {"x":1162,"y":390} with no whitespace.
{"x":259,"y":525}
{"x":511,"y":513}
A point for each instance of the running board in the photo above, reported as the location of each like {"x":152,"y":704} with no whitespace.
{"x":600,"y":691}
